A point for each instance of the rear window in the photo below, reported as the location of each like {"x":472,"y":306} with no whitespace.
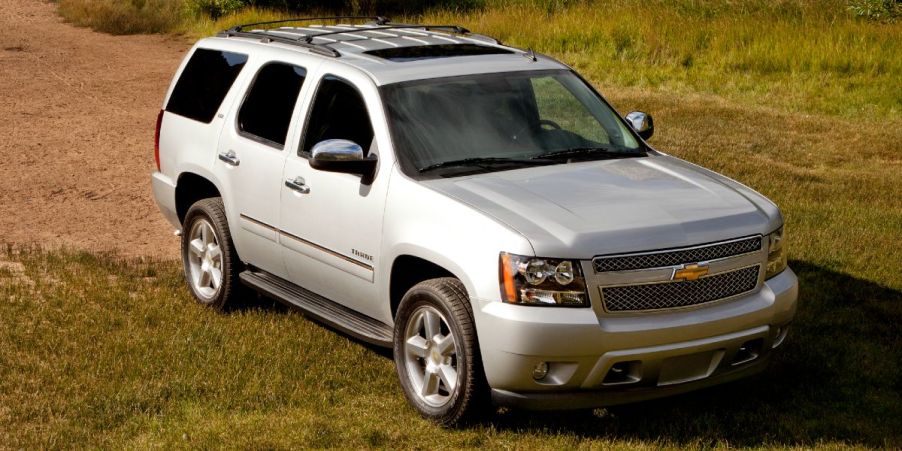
{"x":425,"y":52}
{"x":204,"y":83}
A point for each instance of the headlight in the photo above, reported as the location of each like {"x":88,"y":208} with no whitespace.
{"x":776,"y":253}
{"x":542,"y":281}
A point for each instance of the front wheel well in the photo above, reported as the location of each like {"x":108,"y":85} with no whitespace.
{"x":408,"y":271}
{"x":189,"y":189}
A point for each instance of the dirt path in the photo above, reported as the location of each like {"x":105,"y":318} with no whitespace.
{"x":77,"y":113}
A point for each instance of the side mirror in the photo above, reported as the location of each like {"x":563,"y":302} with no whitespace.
{"x":642,"y":123}
{"x":341,"y":155}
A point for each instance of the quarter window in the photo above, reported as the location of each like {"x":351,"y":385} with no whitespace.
{"x":339,"y":112}
{"x":266,"y":112}
{"x":204,"y":83}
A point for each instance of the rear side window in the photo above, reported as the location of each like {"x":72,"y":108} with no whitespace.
{"x":339,"y":112}
{"x":204,"y":83}
{"x":266,"y":112}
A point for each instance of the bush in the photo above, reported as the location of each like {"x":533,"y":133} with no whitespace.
{"x":366,"y":6}
{"x":878,"y":10}
{"x":214,"y":8}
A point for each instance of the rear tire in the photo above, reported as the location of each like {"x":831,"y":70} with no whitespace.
{"x":208,"y":255}
{"x":436,"y":353}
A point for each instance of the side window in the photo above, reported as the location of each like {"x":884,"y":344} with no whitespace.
{"x":339,"y":112}
{"x":557,"y":105}
{"x":204,"y":83}
{"x":266,"y":111}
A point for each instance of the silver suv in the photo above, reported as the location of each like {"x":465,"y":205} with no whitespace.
{"x":478,"y":208}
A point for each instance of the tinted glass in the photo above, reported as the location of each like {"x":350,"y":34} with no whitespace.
{"x":424,"y":52}
{"x":339,"y":112}
{"x":266,"y":111}
{"x":204,"y":83}
{"x":508,"y":115}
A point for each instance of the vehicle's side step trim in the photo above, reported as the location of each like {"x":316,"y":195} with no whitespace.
{"x":326,"y":311}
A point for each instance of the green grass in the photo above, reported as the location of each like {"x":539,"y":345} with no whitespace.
{"x":101,"y":352}
{"x":796,"y":55}
{"x":799,"y":56}
{"x":797,"y":99}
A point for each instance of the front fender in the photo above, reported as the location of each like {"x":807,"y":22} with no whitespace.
{"x":424,"y":223}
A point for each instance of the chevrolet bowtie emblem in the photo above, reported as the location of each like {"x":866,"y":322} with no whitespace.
{"x":690,"y":272}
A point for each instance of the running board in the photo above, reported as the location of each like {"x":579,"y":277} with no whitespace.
{"x":326,"y":311}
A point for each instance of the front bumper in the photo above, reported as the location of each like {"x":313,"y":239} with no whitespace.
{"x":597,"y":359}
{"x":553,"y":400}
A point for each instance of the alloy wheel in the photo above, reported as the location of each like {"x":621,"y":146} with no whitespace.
{"x":431,"y":356}
{"x":204,"y":259}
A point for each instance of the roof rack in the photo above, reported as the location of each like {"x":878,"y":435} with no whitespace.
{"x":379,"y":23}
{"x":449,"y":28}
{"x":378,"y":20}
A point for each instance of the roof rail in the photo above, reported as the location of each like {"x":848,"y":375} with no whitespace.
{"x":378,"y":20}
{"x":306,"y":40}
{"x":269,"y":37}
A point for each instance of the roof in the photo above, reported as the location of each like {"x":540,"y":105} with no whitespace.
{"x":365,"y":46}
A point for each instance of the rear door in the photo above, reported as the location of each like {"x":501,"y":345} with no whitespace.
{"x":251,"y":156}
{"x":332,"y":229}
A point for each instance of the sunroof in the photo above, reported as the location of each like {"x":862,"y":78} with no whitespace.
{"x":425,"y":52}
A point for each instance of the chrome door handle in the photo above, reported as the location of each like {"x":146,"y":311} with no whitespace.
{"x":229,"y":158}
{"x":298,"y":184}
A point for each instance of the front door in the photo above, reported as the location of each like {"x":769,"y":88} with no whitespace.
{"x":332,"y":222}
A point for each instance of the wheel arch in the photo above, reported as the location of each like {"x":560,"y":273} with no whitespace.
{"x":190,"y":188}
{"x":409,"y":269}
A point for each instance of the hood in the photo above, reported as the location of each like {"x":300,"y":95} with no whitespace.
{"x":584,"y":209}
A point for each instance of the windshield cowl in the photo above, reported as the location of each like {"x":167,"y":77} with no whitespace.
{"x":589,"y":153}
{"x":472,"y":166}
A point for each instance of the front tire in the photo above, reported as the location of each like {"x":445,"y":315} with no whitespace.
{"x":208,"y":255}
{"x":437,"y":353}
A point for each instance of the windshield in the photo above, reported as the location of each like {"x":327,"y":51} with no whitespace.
{"x":501,"y":121}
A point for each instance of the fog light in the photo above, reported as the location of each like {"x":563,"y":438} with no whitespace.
{"x":540,"y":371}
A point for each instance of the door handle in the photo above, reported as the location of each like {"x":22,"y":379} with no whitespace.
{"x":298,"y":184}
{"x":229,"y":158}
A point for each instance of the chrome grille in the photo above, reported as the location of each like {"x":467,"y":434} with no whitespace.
{"x":666,"y":295}
{"x":677,"y":256}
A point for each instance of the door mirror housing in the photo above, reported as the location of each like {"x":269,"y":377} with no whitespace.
{"x":341,"y":155}
{"x":642,"y":123}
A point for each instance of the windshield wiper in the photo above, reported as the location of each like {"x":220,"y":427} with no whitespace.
{"x":580,"y":151}
{"x":482,"y":162}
